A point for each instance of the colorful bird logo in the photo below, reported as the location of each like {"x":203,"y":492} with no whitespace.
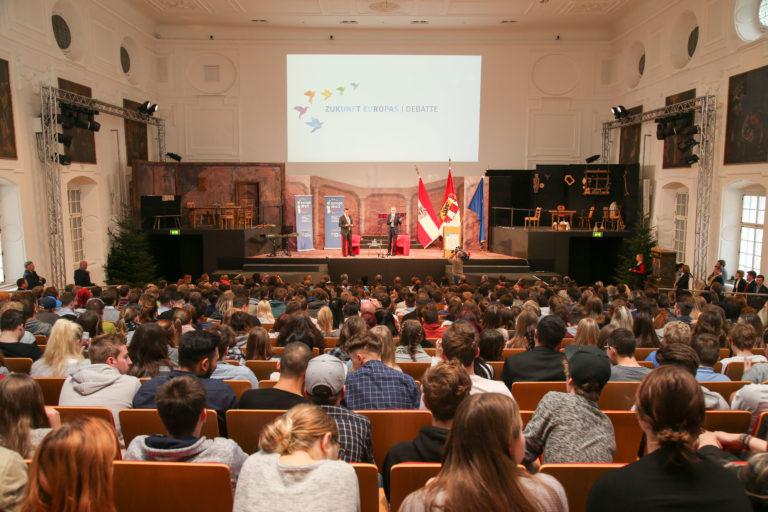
{"x":315,"y":124}
{"x":310,"y":95}
{"x":354,"y":85}
{"x":326,"y":94}
{"x":301,"y":110}
{"x":341,"y":90}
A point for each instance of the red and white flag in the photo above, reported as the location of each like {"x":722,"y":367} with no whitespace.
{"x":429,"y":224}
{"x":449,"y":212}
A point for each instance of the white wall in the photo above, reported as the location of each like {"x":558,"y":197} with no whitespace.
{"x":98,"y":29}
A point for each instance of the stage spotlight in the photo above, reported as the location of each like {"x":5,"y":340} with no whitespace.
{"x":66,"y":140}
{"x":173,"y":156}
{"x":148,"y":108}
{"x":80,"y":122}
{"x":619,"y":112}
{"x":65,"y":119}
{"x":692,"y":159}
{"x":687,"y":144}
{"x":593,"y":158}
{"x":94,"y":126}
{"x":64,"y":160}
{"x":690,"y":130}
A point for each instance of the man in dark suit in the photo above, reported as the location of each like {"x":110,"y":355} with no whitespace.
{"x":82,"y":276}
{"x":393,"y":221}
{"x":739,"y":284}
{"x":759,"y":302}
{"x":751,"y":283}
{"x":345,"y":223}
{"x":544,"y":362}
{"x":31,"y":277}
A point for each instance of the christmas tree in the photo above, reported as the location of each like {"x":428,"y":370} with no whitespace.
{"x":129,"y":260}
{"x":641,"y":242}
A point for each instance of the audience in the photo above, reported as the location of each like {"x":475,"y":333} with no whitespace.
{"x":198,"y":355}
{"x":297,"y":467}
{"x":683,"y":356}
{"x":259,"y":346}
{"x":226,"y":370}
{"x":289,"y":389}
{"x":24,"y":419}
{"x":707,"y":347}
{"x":620,"y":347}
{"x":587,"y":332}
{"x":181,"y":405}
{"x":387,"y":346}
{"x":742,"y":338}
{"x":324,"y":386}
{"x":105,"y":382}
{"x":491,"y":346}
{"x":11,"y":332}
{"x":149,"y":351}
{"x":674,"y":332}
{"x":409,"y":348}
{"x":672,"y":476}
{"x":63,"y":354}
{"x":480,"y":472}
{"x":542,"y":363}
{"x":372,"y":384}
{"x":444,"y":387}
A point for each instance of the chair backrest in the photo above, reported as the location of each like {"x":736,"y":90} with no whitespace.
{"x":734,"y":370}
{"x":415,"y":370}
{"x":761,"y":425}
{"x":591,"y":212}
{"x":538,"y":212}
{"x":18,"y":364}
{"x":199,"y":487}
{"x":619,"y":396}
{"x":646,"y":364}
{"x":628,"y":435}
{"x":141,"y":422}
{"x":507,"y":352}
{"x":642,"y":353}
{"x":368,"y":483}
{"x":389,"y":427}
{"x":68,"y":414}
{"x":267,"y":384}
{"x":267,"y":327}
{"x":431,"y":352}
{"x":407,"y":478}
{"x":239,"y":386}
{"x":528,"y":394}
{"x":724,"y":352}
{"x":330,"y":342}
{"x":498,"y":369}
{"x":41,"y":339}
{"x":51,"y":387}
{"x":726,"y":389}
{"x":262,"y":369}
{"x":578,"y":479}
{"x":244,"y":426}
{"x":735,"y":422}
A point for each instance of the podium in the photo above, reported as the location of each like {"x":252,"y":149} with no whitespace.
{"x":451,"y":239}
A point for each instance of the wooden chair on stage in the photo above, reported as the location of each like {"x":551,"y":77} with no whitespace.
{"x":245,"y":217}
{"x":227,"y":216}
{"x":534,"y":220}
{"x":616,"y":221}
{"x":586,"y":220}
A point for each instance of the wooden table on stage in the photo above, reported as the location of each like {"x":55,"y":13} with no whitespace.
{"x":216,"y":214}
{"x":559,"y":215}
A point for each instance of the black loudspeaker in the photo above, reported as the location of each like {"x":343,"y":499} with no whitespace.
{"x":158,"y":205}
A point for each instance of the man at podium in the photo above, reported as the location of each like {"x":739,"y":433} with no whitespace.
{"x":393,"y":222}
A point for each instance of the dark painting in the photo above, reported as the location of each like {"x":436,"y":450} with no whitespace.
{"x":83,"y":147}
{"x":7,"y":131}
{"x":136,"y":145}
{"x":673,"y":156}
{"x":746,"y":132}
{"x":629,"y":140}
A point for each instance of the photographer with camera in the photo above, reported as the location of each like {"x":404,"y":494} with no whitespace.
{"x":457,"y":258}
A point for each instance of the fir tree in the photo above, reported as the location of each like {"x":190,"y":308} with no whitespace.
{"x":129,"y":260}
{"x":641,"y":242}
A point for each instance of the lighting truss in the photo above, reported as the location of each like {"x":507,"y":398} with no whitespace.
{"x":48,"y":151}
{"x":705,"y":108}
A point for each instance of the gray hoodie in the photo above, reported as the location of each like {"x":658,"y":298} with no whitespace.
{"x":167,"y":449}
{"x":100,"y":385}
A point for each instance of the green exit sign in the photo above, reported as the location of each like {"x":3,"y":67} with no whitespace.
{"x":175,"y":232}
{"x":597,"y":234}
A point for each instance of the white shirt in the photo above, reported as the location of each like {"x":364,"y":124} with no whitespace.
{"x":481,"y":385}
{"x":739,"y":359}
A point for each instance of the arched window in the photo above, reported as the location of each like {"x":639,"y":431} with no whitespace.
{"x":751,"y":232}
{"x":762,"y":14}
{"x":681,"y":222}
{"x":76,"y":224}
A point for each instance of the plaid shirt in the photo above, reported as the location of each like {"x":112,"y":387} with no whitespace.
{"x":377,"y":386}
{"x":354,"y":434}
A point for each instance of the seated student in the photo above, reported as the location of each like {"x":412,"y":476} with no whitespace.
{"x":742,"y":338}
{"x":620,"y":347}
{"x":683,"y":308}
{"x":72,"y":469}
{"x":480,"y":472}
{"x":685,"y":357}
{"x":198,"y":355}
{"x":490,"y":344}
{"x":103,"y":383}
{"x":24,"y":418}
{"x":11,"y":332}
{"x":297,"y":467}
{"x":672,"y":476}
{"x":707,"y":347}
{"x":13,"y":479}
{"x":459,"y":344}
{"x":674,"y":332}
{"x":67,"y":309}
{"x":181,"y":406}
{"x":409,"y":349}
{"x":433,"y":329}
{"x":225,"y":370}
{"x":63,"y":354}
{"x":374,"y":385}
{"x":289,"y":390}
{"x":544,"y":362}
{"x":444,"y":386}
{"x":324,"y":386}
{"x":570,"y":427}
{"x":46,"y":313}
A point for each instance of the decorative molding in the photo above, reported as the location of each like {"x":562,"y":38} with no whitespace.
{"x":555,"y":74}
{"x":212,"y":131}
{"x":180,"y":5}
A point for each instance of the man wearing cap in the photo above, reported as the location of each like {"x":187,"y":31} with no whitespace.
{"x":324,"y":386}
{"x":47,"y":313}
{"x":545,"y":362}
{"x":31,"y":277}
{"x":570,"y":427}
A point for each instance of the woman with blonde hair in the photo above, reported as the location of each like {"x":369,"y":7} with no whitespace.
{"x":622,"y":318}
{"x":299,"y":451}
{"x":325,"y":322}
{"x":587,"y":332}
{"x":264,"y":312}
{"x":387,"y":346}
{"x":72,"y":469}
{"x":63,"y":354}
{"x":525,"y":325}
{"x":24,"y":419}
{"x":481,"y":473}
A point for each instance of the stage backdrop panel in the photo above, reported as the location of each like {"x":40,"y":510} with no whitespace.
{"x":334,"y":208}
{"x":7,"y":128}
{"x":136,"y":144}
{"x":304,"y":223}
{"x":746,"y":134}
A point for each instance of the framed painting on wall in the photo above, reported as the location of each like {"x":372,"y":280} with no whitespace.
{"x":7,"y":129}
{"x":746,"y":131}
{"x":83,"y":147}
{"x":136,"y":144}
{"x":629,"y":140}
{"x":674,"y":157}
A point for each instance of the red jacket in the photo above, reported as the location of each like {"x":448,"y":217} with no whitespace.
{"x":433,"y":331}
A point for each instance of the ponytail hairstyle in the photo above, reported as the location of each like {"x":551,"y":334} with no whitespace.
{"x":298,"y":429}
{"x":671,"y":403}
{"x":411,"y":336}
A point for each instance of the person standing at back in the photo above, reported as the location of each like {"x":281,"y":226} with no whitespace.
{"x":544,"y":362}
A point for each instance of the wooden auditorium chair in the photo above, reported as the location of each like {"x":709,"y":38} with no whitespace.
{"x":68,"y":414}
{"x":389,"y":427}
{"x":578,"y":479}
{"x":726,"y":389}
{"x":735,"y":422}
{"x":529,"y":394}
{"x":619,"y":396}
{"x":51,"y":388}
{"x":408,"y":477}
{"x":414,"y":369}
{"x":145,"y":422}
{"x":244,"y":426}
{"x":368,"y":484}
{"x":533,"y":220}
{"x":18,"y":364}
{"x":262,"y":369}
{"x":238,"y":386}
{"x":628,"y":435}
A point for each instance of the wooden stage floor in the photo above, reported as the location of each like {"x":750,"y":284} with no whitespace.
{"x":365,"y":253}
